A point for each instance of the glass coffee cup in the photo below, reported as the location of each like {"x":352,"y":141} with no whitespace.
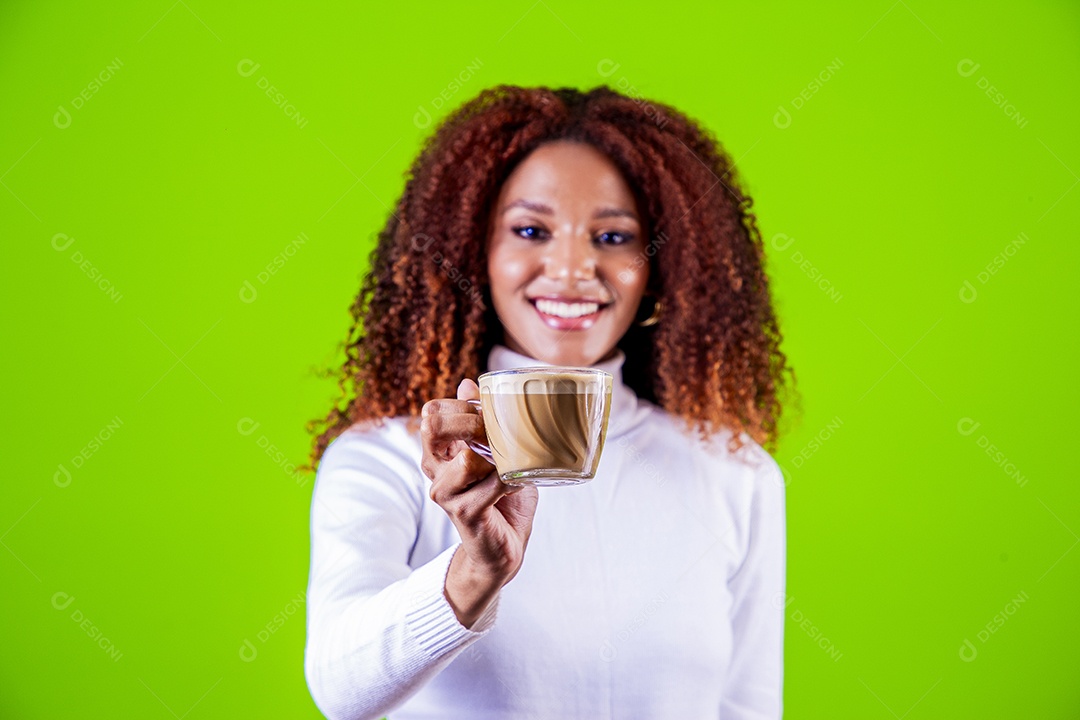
{"x":546,"y":425}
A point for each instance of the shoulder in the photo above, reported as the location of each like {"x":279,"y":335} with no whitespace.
{"x":390,"y":438}
{"x":714,"y":446}
{"x":755,"y":490}
{"x":766,"y":486}
{"x":759,"y":467}
{"x":749,"y":469}
{"x":386,"y":451}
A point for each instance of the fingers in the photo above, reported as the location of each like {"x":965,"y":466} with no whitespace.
{"x":518,"y":506}
{"x":458,"y":476}
{"x":446,"y":406}
{"x":463,"y":481}
{"x":468,"y":390}
{"x":467,"y":486}
{"x":443,"y":436}
{"x":447,"y":425}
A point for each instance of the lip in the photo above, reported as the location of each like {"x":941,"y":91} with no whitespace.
{"x":582,"y":322}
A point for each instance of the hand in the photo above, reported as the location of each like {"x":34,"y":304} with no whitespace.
{"x":493,"y":519}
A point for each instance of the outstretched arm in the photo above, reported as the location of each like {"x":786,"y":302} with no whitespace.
{"x":378,"y":629}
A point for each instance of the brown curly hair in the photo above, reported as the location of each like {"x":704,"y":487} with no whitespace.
{"x":423,"y":319}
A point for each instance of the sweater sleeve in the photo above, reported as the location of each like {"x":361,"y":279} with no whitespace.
{"x":377,"y":628}
{"x":754,"y":686}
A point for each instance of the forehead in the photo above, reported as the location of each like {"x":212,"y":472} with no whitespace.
{"x":570,"y":173}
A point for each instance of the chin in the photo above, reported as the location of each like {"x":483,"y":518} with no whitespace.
{"x":578,"y":348}
{"x":578,"y":357}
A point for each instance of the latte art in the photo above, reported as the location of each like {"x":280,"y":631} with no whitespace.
{"x":546,"y":426}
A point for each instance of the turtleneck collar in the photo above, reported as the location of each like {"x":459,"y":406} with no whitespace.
{"x":625,"y":409}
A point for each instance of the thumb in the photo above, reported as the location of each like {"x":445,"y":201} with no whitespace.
{"x":468,"y":390}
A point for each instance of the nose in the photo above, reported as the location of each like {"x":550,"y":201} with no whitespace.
{"x":570,"y":257}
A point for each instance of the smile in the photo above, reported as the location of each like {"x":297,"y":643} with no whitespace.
{"x":562,"y":315}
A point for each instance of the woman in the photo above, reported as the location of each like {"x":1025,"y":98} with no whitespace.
{"x":557,"y":227}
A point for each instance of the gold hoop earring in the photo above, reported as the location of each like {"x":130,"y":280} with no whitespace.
{"x":658,"y":307}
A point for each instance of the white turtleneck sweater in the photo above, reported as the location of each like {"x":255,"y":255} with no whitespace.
{"x":655,"y":590}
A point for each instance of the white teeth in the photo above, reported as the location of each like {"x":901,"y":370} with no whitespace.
{"x":566,"y":310}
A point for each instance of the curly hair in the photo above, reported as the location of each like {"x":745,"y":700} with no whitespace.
{"x":423,"y":319}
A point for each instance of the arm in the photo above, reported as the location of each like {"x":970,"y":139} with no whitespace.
{"x":754,"y":687}
{"x":378,"y":630}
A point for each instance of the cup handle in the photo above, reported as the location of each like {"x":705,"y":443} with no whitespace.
{"x":479,"y":448}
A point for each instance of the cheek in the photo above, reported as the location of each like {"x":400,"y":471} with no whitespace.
{"x":630,"y":275}
{"x":507,"y":271}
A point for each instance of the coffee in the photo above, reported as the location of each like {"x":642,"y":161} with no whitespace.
{"x":546,"y":425}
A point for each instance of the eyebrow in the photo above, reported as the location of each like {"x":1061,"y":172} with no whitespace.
{"x":543,"y":209}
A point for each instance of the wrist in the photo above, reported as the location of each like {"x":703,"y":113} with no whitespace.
{"x":484,"y":572}
{"x":470,"y":588}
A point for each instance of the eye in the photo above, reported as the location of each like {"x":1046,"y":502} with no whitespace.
{"x":614,"y":238}
{"x":529,"y":232}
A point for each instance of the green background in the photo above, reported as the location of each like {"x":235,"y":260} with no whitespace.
{"x":894,"y":176}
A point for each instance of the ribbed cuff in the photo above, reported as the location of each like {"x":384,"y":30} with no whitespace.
{"x":429,"y":616}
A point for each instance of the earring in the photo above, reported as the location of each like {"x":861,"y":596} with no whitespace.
{"x":658,"y":307}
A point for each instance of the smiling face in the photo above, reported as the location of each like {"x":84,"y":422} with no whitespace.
{"x":565,"y":254}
